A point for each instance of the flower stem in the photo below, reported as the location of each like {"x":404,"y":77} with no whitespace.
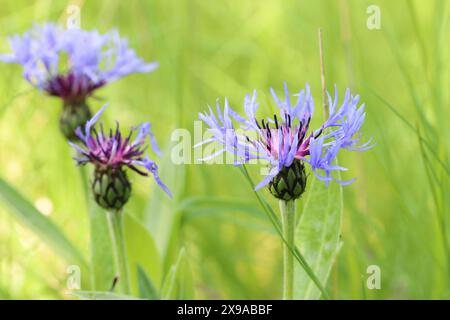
{"x":287,"y":209}
{"x":277,"y":226}
{"x":120,"y":254}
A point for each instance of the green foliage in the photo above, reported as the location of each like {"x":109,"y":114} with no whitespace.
{"x":44,"y":228}
{"x":318,"y":235}
{"x":101,"y":295}
{"x":395,"y":216}
{"x":102,"y":261}
{"x":146,"y":288}
{"x":161,"y":216}
{"x":178,"y":281}
{"x":302,"y":262}
{"x":142,"y":253}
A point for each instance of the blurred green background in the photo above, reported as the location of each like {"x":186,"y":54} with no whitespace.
{"x":396,"y":215}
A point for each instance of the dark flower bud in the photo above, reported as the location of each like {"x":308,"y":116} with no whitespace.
{"x":111,"y":187}
{"x":74,"y":115}
{"x":290,"y":182}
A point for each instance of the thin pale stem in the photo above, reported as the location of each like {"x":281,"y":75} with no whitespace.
{"x":119,"y":249}
{"x":287,"y":209}
{"x":322,"y":75}
{"x":85,"y":181}
{"x":277,"y":226}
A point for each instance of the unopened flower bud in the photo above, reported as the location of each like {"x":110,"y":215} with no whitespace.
{"x":74,"y":115}
{"x":111,"y":187}
{"x":290,"y":182}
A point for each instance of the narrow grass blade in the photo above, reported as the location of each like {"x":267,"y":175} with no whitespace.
{"x":146,"y":288}
{"x":160,"y":216}
{"x":440,"y":214}
{"x":277,"y":225}
{"x":43,"y":227}
{"x":101,"y":295}
{"x":412,"y":127}
{"x":178,"y":283}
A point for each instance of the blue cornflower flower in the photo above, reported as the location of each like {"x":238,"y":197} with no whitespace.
{"x":72,"y":64}
{"x":110,"y":153}
{"x":93,"y":59}
{"x":285,"y":142}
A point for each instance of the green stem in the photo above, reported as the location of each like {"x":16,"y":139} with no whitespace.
{"x":277,"y":226}
{"x":287,"y":209}
{"x":120,"y":254}
{"x":84,"y":173}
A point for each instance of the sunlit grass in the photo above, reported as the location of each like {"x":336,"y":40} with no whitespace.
{"x":396,"y":215}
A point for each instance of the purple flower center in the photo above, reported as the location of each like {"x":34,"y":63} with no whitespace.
{"x":113,"y":150}
{"x":72,"y":87}
{"x":279,"y":136}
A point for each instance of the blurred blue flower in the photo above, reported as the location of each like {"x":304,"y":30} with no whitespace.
{"x":71,"y":64}
{"x":286,"y":138}
{"x":112,"y":151}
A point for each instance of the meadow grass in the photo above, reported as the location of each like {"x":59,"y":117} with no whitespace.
{"x":396,"y":215}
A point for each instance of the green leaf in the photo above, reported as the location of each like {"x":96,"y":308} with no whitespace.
{"x":186,"y":289}
{"x":168,"y":287}
{"x":178,"y":283}
{"x":161,"y":216}
{"x":146,"y":288}
{"x":101,"y":255}
{"x":102,"y":260}
{"x":141,"y":251}
{"x":277,"y":226}
{"x":318,"y":235}
{"x":101,"y":295}
{"x":43,"y":227}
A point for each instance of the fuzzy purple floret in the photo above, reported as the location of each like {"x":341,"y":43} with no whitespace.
{"x":112,"y":150}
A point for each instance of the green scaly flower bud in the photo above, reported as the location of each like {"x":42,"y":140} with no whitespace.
{"x":111,"y":187}
{"x":290,"y":182}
